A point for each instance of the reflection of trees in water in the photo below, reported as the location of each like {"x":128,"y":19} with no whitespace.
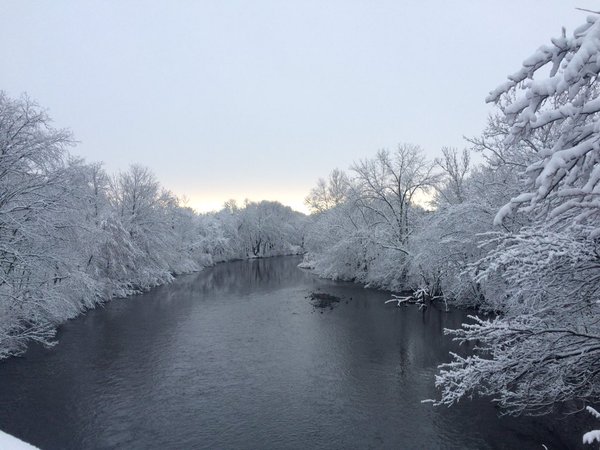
{"x":363,"y":366}
{"x":242,"y":277}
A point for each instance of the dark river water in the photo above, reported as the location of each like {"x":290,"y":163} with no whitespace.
{"x":237,"y":356}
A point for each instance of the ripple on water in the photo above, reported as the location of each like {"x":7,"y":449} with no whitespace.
{"x":235,"y":357}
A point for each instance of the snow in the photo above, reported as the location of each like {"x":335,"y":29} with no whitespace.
{"x":591,"y":436}
{"x":8,"y":442}
{"x":593,"y":412}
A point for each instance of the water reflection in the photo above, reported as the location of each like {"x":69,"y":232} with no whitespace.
{"x":235,"y":357}
{"x":244,"y":277}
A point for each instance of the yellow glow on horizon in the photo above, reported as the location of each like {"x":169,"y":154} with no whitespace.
{"x":204,"y":203}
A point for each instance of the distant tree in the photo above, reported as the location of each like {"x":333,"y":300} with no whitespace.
{"x":328,"y":193}
{"x":385,"y":188}
{"x":364,"y":236}
{"x":269,"y":228}
{"x":231,"y":206}
{"x":455,"y":169}
{"x":135,"y":194}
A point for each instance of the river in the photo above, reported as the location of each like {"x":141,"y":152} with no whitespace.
{"x":239,"y":356}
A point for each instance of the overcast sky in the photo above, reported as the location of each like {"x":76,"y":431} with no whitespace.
{"x":258,"y":99}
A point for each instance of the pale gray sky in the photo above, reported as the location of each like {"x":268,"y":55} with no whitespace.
{"x":257,"y":99}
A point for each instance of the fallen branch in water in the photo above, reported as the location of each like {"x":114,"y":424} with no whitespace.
{"x":419,"y":297}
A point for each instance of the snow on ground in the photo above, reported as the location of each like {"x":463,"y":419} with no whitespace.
{"x":8,"y":442}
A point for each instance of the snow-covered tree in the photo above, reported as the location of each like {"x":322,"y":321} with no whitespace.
{"x":541,"y":277}
{"x":33,"y":188}
{"x":328,"y":193}
{"x":455,"y":170}
{"x":364,"y":235}
{"x":385,"y":188}
{"x":565,"y":175}
{"x":269,"y":228}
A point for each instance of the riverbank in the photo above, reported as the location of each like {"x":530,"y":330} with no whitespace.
{"x":46,"y":332}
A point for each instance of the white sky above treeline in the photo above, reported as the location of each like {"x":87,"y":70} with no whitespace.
{"x":258,"y":99}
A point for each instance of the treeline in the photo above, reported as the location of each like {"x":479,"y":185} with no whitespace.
{"x":73,"y":236}
{"x":517,"y":236}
